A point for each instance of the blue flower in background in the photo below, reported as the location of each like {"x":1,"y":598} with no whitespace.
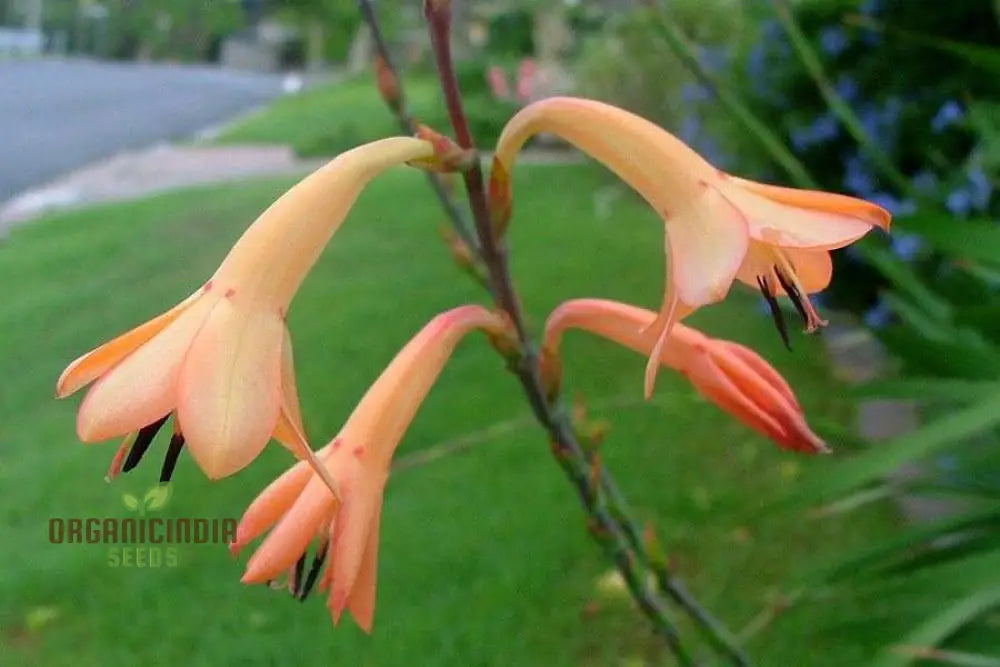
{"x":693,"y":93}
{"x":881,"y":122}
{"x":711,"y":151}
{"x":871,"y":7}
{"x":949,"y":114}
{"x":772,"y":31}
{"x":925,"y":182}
{"x":857,"y":178}
{"x":906,"y":246}
{"x":824,"y":128}
{"x":847,"y":87}
{"x":879,"y":316}
{"x":891,"y":109}
{"x":833,"y":41}
{"x":689,"y":130}
{"x":980,"y":188}
{"x":959,"y":201}
{"x":893,"y":204}
{"x":757,"y":70}
{"x":714,"y":58}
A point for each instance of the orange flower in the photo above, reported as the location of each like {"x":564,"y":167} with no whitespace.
{"x":731,"y":375}
{"x":301,"y":509}
{"x":221,"y":360}
{"x":718,"y":227}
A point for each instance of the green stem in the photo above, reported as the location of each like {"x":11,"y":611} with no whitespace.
{"x":408,"y":125}
{"x":631,"y":560}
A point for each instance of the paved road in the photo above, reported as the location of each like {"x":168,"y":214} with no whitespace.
{"x":59,"y":115}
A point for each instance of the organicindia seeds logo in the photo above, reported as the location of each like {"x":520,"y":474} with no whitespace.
{"x":146,"y":540}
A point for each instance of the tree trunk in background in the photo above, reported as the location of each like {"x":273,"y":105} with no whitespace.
{"x":362,"y":51}
{"x":315,"y":44}
{"x":461,"y":47}
{"x":33,"y":15}
{"x":552,"y":35}
{"x":553,"y":40}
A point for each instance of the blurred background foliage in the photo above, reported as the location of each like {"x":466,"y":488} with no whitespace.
{"x":894,"y":101}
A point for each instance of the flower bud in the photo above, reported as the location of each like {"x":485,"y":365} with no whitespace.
{"x":388,"y":83}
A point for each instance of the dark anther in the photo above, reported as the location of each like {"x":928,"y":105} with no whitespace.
{"x":300,"y":565}
{"x":772,"y":304}
{"x":793,"y":293}
{"x":313,"y":575}
{"x":170,"y":460}
{"x":142,"y":442}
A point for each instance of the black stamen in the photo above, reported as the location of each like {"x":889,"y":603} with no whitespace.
{"x":170,"y":460}
{"x":313,"y":575}
{"x":300,"y":565}
{"x":794,"y":294}
{"x":142,"y":442}
{"x":772,"y":304}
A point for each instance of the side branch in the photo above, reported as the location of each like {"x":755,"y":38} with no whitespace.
{"x":610,"y":522}
{"x":408,"y":125}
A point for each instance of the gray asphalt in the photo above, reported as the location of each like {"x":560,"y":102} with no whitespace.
{"x":59,"y":115}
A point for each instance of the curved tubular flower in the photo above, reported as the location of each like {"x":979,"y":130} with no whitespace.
{"x":734,"y":377}
{"x":300,"y":509}
{"x":221,"y":360}
{"x":718,"y":227}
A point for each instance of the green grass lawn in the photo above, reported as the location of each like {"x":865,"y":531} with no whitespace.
{"x":484,"y":558}
{"x":330,"y":118}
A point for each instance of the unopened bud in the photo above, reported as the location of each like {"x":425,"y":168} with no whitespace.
{"x":550,"y":372}
{"x":448,"y":156}
{"x":505,"y":340}
{"x":654,"y":548}
{"x":591,"y":432}
{"x":500,"y":199}
{"x":388,"y":83}
{"x":459,"y":249}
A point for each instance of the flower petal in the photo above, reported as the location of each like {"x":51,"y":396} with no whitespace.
{"x":753,"y":389}
{"x":706,"y":242}
{"x":229,"y":392}
{"x":313,"y":509}
{"x":761,"y":368}
{"x":287,"y":238}
{"x":816,"y":220}
{"x":289,"y":387}
{"x":814,"y":268}
{"x":142,"y":387}
{"x":98,"y":361}
{"x":718,"y":386}
{"x":352,"y":532}
{"x":272,"y":503}
{"x":361,"y":601}
{"x":820,"y":201}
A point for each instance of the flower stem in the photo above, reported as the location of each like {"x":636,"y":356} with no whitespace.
{"x":610,"y":523}
{"x":408,"y":125}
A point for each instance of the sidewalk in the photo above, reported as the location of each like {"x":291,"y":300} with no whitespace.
{"x":148,"y":171}
{"x":165,"y":167}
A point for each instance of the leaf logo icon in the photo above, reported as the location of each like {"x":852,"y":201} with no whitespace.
{"x":156,"y":497}
{"x":130,"y":502}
